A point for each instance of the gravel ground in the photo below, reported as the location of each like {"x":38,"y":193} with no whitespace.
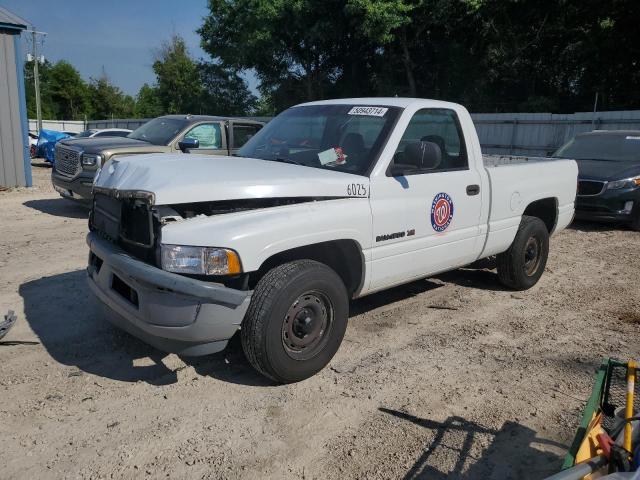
{"x":450,"y":377}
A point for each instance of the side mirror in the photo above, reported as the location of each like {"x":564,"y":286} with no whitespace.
{"x":188,"y":143}
{"x":423,"y":155}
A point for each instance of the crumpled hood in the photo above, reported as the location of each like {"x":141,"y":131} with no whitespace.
{"x":180,"y":178}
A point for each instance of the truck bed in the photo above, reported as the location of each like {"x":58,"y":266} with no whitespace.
{"x":517,"y":182}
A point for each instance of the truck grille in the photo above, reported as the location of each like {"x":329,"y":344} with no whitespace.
{"x":67,"y":161}
{"x":126,"y":222}
{"x":590,"y":187}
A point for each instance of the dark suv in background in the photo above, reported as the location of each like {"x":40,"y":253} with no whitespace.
{"x":608,"y":175}
{"x":78,"y":159}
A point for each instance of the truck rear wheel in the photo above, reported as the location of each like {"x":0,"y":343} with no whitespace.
{"x":522,"y":265}
{"x":296,"y":320}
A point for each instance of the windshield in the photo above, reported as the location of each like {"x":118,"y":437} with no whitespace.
{"x":617,"y":148}
{"x":159,"y":131}
{"x":346,"y":138}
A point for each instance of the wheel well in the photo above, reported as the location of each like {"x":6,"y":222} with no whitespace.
{"x":546,"y":210}
{"x":343,"y":256}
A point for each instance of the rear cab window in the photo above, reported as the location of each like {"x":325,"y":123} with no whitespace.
{"x":243,"y":132}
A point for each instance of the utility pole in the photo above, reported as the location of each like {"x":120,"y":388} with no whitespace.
{"x":36,"y":77}
{"x":595,"y":109}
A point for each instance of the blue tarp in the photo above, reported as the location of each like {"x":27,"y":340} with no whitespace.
{"x":47,"y":143}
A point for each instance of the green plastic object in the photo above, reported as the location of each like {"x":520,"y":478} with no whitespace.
{"x":593,"y":405}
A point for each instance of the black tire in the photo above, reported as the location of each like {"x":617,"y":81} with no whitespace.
{"x":635,"y":217}
{"x":297,"y":302}
{"x":520,"y":267}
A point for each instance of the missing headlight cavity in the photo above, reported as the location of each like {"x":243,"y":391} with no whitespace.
{"x":136,"y":223}
{"x":189,"y":210}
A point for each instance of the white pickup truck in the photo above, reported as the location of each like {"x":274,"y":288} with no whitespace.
{"x":331,"y":200}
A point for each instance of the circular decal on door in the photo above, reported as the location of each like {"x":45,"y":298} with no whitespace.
{"x":441,"y":212}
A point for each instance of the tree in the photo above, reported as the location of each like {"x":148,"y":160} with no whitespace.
{"x":187,"y":86}
{"x":294,"y":47}
{"x":489,"y":55}
{"x":64,"y":92}
{"x":224,"y":91}
{"x":179,"y":87}
{"x":107,"y":100}
{"x":148,"y":104}
{"x":30,"y":91}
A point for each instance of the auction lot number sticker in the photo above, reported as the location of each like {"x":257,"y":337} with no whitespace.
{"x":369,"y":111}
{"x":441,"y":212}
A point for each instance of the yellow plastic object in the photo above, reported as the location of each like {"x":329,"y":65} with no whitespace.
{"x":631,"y":384}
{"x":590,"y":447}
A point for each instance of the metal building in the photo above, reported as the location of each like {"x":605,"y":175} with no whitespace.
{"x":15,"y":165}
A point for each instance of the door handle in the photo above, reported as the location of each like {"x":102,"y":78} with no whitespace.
{"x":473,"y":189}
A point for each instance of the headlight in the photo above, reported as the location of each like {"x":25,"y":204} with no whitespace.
{"x":626,"y":183}
{"x":199,"y":260}
{"x":91,"y":160}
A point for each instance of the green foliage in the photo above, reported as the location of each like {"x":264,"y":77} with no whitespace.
{"x":107,"y":100}
{"x":179,"y":88}
{"x":63,"y":92}
{"x":223,"y":91}
{"x":187,"y":86}
{"x":66,"y":96}
{"x":183,"y":86}
{"x":491,"y":56}
{"x":148,"y":103}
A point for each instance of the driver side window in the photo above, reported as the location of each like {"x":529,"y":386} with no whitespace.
{"x":439,"y":126}
{"x":208,"y":134}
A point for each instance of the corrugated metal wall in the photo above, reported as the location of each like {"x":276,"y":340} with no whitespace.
{"x":15,"y":168}
{"x":542,"y":133}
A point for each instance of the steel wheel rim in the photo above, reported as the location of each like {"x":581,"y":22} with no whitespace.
{"x":306,"y":325}
{"x":532,"y":256}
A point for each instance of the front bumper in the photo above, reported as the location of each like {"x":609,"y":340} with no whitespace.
{"x":611,"y":205}
{"x":75,"y":188}
{"x":169,"y":311}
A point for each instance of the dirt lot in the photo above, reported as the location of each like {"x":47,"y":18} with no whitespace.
{"x":450,"y":377}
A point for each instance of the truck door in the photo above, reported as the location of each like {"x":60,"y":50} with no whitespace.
{"x":425,"y":222}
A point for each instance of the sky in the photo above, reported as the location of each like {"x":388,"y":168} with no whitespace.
{"x":118,"y":35}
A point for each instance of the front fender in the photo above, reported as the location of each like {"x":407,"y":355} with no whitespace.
{"x":259,"y":234}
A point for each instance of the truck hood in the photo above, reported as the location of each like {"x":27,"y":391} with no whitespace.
{"x":98,"y":144}
{"x":179,"y":178}
{"x":607,"y":170}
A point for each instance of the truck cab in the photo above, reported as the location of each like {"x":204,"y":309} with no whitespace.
{"x":332,"y":200}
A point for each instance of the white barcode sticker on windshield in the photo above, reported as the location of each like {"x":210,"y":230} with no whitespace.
{"x":370,"y":111}
{"x":633,"y":138}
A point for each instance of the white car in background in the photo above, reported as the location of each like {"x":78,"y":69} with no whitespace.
{"x":33,"y":144}
{"x":103,"y":132}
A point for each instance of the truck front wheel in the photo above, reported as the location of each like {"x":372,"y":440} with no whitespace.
{"x":522,"y":265}
{"x":296,"y":320}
